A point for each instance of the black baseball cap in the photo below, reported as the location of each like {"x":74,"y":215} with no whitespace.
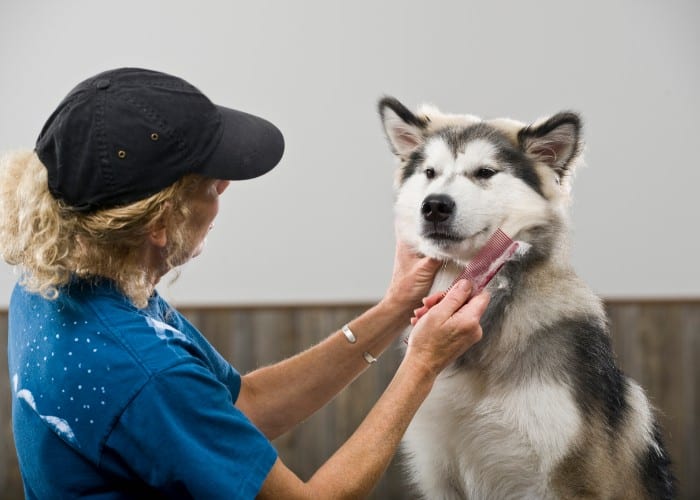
{"x":125,"y":134}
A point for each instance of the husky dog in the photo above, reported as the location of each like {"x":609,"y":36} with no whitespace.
{"x":538,"y":409}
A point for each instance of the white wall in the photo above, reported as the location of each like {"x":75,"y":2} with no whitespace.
{"x":319,"y":227}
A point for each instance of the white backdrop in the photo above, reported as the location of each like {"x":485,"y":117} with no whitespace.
{"x":319,"y":227}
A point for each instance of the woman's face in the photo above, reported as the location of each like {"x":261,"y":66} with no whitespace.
{"x":204,"y":208}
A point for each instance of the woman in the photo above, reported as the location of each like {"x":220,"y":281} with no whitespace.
{"x":115,"y":394}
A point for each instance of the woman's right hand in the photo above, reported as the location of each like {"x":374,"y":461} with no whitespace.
{"x":448,"y":328}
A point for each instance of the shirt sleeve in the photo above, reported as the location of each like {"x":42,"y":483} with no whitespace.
{"x":183,"y":436}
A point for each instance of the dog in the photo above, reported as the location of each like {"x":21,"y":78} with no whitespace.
{"x":538,"y":409}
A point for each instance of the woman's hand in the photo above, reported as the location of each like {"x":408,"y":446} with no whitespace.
{"x":428,"y":302}
{"x":448,"y":328}
{"x":412,"y":277}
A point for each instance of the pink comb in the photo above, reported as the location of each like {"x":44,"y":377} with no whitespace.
{"x":483,"y":267}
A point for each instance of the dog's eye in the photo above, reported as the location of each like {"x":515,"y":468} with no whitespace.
{"x":430,"y":173}
{"x":485,"y":173}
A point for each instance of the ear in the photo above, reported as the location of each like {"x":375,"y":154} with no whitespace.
{"x":158,"y":237}
{"x":555,"y":141}
{"x":404,"y":130}
{"x":158,"y":233}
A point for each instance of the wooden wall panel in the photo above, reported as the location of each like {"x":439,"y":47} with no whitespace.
{"x":657,"y":343}
{"x":10,"y":481}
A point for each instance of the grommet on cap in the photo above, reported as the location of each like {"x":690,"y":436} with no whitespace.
{"x":121,"y":154}
{"x":102,"y":83}
{"x":155,"y":136}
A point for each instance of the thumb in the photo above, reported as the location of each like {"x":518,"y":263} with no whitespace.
{"x":454,"y":299}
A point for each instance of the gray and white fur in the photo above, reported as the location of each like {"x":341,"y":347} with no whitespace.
{"x":538,"y":409}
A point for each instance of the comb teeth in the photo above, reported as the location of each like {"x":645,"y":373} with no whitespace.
{"x":494,"y":247}
{"x":488,"y":261}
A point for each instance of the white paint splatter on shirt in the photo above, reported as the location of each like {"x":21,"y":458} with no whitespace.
{"x":164,"y":330}
{"x":59,"y":425}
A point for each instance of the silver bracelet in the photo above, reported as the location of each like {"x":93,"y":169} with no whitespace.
{"x":369,"y":358}
{"x":348,"y":334}
{"x":352,"y":339}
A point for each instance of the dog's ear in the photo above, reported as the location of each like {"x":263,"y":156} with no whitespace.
{"x":556,"y":141}
{"x":404,"y":130}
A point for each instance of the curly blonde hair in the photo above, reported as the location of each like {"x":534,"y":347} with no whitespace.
{"x":50,"y":243}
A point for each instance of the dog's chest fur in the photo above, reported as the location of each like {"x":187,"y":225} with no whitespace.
{"x":500,"y":417}
{"x":503,"y":445}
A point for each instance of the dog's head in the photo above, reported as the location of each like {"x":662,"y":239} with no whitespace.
{"x":460,"y":178}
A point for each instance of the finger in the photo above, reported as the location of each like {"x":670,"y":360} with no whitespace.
{"x":433,"y":299}
{"x":482,"y":301}
{"x":476,"y":307}
{"x":431,"y":264}
{"x":425,"y":269}
{"x":405,"y":248}
{"x":428,"y":302}
{"x":419,"y":313}
{"x":454,"y":299}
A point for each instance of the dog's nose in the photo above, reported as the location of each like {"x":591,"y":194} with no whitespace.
{"x":437,"y":208}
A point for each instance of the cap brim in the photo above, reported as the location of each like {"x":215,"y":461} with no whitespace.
{"x":250,"y":146}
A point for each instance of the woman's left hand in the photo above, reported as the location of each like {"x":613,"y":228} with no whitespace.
{"x":412,"y":278}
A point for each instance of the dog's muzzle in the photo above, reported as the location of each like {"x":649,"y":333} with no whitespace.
{"x":438,"y":212}
{"x":437,"y":208}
